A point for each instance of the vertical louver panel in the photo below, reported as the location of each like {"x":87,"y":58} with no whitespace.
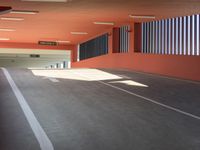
{"x":147,"y":48}
{"x":180,"y":36}
{"x":124,"y":39}
{"x":166,"y":36}
{"x":156,"y":38}
{"x":150,"y":38}
{"x":142,"y":38}
{"x":173,"y":35}
{"x":193,"y":34}
{"x":169,"y":37}
{"x":198,"y":34}
{"x":188,"y":35}
{"x":176,"y":36}
{"x":94,"y":47}
{"x":184,"y":35}
{"x":160,"y":38}
{"x":163,"y":36}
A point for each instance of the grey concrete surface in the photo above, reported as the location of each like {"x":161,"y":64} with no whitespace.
{"x":15,"y":132}
{"x":87,"y":115}
{"x":182,"y":94}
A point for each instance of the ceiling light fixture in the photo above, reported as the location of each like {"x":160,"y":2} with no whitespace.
{"x":45,"y":0}
{"x":12,"y":19}
{"x":26,"y":12}
{"x":4,"y":39}
{"x":79,"y":33}
{"x":104,"y":23}
{"x":63,"y":41}
{"x":7,"y":30}
{"x":142,"y":17}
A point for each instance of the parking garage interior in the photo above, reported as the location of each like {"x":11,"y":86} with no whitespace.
{"x":99,"y":75}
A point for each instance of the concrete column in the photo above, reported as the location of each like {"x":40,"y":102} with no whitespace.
{"x":132,"y":31}
{"x":116,"y":40}
{"x":110,"y":42}
{"x":137,"y":37}
{"x":74,"y":52}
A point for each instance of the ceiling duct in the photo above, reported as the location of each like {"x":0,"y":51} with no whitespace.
{"x":5,"y":9}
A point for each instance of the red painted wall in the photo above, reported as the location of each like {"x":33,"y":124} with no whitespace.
{"x":185,"y":67}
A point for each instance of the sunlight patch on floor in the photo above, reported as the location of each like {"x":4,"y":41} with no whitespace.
{"x":131,"y":83}
{"x":76,"y":74}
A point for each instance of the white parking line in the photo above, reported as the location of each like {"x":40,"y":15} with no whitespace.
{"x":147,"y":99}
{"x":152,"y":101}
{"x":42,"y":138}
{"x":51,"y":79}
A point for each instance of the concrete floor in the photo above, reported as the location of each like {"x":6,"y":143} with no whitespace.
{"x":79,"y":113}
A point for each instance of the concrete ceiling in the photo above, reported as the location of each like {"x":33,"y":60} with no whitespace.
{"x":55,"y":21}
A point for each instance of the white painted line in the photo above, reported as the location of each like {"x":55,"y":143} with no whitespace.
{"x":153,"y":101}
{"x":147,"y":99}
{"x":161,"y":76}
{"x":51,"y":79}
{"x":45,"y":143}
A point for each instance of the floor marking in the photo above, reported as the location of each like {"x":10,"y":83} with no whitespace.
{"x":162,"y":76}
{"x":52,"y":79}
{"x":153,"y":101}
{"x":42,"y":138}
{"x":147,"y":99}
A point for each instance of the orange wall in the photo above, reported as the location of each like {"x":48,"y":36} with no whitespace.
{"x":185,"y":67}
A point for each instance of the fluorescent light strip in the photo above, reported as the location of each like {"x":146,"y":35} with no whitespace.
{"x":45,"y":0}
{"x":7,"y":30}
{"x":4,"y":39}
{"x":63,"y":41}
{"x":26,"y":12}
{"x":142,"y":17}
{"x":12,"y":19}
{"x":104,"y":23}
{"x":79,"y":33}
